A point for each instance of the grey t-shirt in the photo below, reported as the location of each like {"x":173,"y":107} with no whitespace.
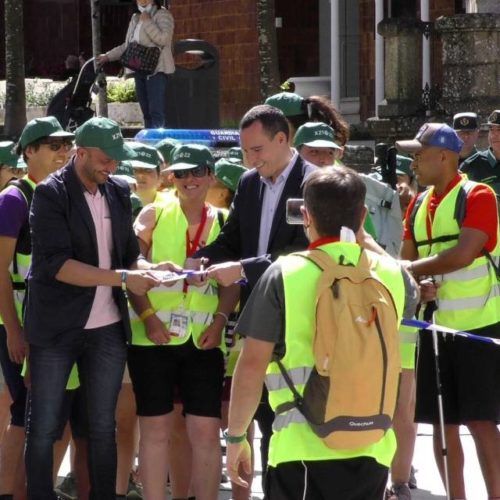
{"x":263,"y":317}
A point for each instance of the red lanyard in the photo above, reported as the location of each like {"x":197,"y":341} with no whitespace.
{"x":191,"y":247}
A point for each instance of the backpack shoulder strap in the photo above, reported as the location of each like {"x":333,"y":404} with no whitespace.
{"x":320,"y":258}
{"x":220,"y":218}
{"x":413,"y":213}
{"x":461,"y":203}
{"x":25,"y":188}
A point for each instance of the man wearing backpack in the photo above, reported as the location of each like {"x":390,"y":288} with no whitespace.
{"x":44,"y":146}
{"x":451,"y":234}
{"x":291,"y":340}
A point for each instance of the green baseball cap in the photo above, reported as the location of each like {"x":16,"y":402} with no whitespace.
{"x":229,"y":173}
{"x":165,"y":147}
{"x":315,"y":135}
{"x":403,"y":166}
{"x":289,"y":103}
{"x":235,"y":155}
{"x":8,"y":155}
{"x":35,"y":129}
{"x":147,"y":156}
{"x":104,"y":134}
{"x":188,"y":156}
{"x":125,"y":168}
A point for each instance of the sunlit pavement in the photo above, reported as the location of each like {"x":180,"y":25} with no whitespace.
{"x":429,"y":482}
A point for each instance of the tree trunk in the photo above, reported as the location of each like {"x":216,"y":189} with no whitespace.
{"x":95,"y":12}
{"x":268,"y":48}
{"x":15,"y":97}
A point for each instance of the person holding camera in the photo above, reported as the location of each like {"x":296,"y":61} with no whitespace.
{"x":149,"y":29}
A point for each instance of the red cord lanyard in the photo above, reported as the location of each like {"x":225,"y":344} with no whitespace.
{"x":191,"y":247}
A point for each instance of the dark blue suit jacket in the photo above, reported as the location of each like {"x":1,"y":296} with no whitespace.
{"x":62,"y":228}
{"x":239,"y":238}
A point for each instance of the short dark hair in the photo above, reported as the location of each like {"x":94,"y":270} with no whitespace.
{"x":334,"y":197}
{"x":271,"y":118}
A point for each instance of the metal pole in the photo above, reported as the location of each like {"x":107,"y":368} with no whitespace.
{"x":95,"y":11}
{"x":444,"y":449}
{"x":335,"y":53}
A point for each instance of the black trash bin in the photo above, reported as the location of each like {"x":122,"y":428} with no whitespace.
{"x":193,"y":92}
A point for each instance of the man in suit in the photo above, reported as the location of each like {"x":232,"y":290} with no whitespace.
{"x":76,"y":308}
{"x":256,"y":232}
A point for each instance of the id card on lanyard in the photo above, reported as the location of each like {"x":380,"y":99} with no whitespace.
{"x":179,"y":320}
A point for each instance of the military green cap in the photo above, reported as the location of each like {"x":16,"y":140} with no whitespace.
{"x":125,"y":168}
{"x":147,"y":156}
{"x":403,"y":166}
{"x":229,"y":173}
{"x":165,"y":147}
{"x":235,"y":155}
{"x":35,"y":129}
{"x":494,"y":118}
{"x":8,"y":155}
{"x":289,"y":103}
{"x":188,"y":156}
{"x":104,"y":134}
{"x":315,"y":135}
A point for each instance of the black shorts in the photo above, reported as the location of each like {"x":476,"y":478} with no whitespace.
{"x":470,"y":378}
{"x":157,"y":370}
{"x":14,"y":382}
{"x":360,"y":478}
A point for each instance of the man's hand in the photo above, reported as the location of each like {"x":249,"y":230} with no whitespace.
{"x":140,"y":282}
{"x":156,"y":330}
{"x":212,"y":336}
{"x":196,"y":265}
{"x":239,"y":453}
{"x":166,"y":266}
{"x":428,"y":290}
{"x":225,"y":274}
{"x":16,"y":345}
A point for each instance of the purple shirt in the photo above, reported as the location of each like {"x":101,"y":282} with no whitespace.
{"x":13,"y":212}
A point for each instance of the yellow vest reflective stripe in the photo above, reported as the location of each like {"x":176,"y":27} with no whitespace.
{"x":468,"y":298}
{"x":408,"y":341}
{"x":292,"y":438}
{"x":23,"y":262}
{"x":199,"y":303}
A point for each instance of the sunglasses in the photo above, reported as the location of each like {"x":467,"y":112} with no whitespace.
{"x":56,"y":146}
{"x":199,"y":171}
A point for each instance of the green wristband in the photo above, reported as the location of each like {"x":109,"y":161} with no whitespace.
{"x":234,"y":439}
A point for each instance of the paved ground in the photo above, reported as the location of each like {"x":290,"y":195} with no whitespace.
{"x":429,"y":483}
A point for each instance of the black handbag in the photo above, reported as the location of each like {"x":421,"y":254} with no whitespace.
{"x":140,"y":59}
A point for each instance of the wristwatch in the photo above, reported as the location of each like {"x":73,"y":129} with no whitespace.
{"x":233,"y":439}
{"x":123,"y":277}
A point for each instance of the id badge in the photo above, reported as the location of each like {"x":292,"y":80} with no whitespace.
{"x":179,"y":324}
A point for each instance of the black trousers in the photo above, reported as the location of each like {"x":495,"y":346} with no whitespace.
{"x":350,"y":479}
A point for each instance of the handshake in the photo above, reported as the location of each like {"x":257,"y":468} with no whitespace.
{"x":226,"y":273}
{"x":194,"y":272}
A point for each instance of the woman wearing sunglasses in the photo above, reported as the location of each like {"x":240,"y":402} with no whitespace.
{"x":177,"y":338}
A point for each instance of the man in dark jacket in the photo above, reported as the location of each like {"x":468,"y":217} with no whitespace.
{"x":256,"y":232}
{"x":76,"y":309}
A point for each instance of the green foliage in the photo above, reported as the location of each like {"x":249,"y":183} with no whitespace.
{"x":121,"y":91}
{"x":39,"y":92}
